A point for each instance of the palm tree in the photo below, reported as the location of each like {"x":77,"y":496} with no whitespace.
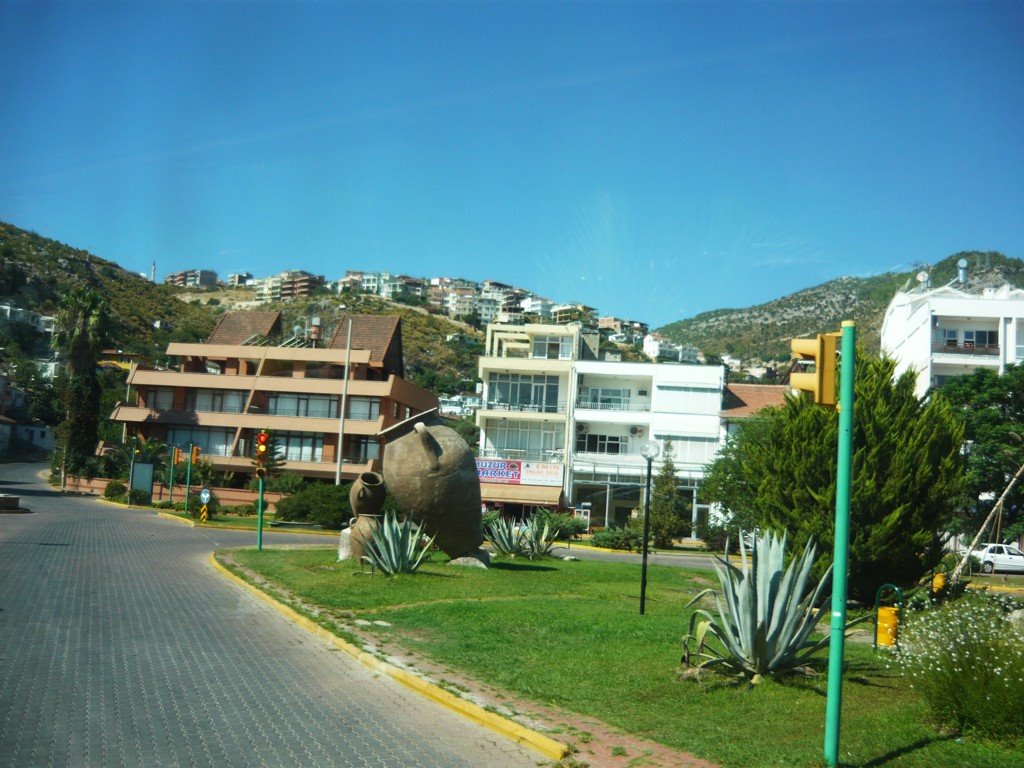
{"x":81,"y":330}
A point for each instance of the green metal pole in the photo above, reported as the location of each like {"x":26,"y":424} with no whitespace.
{"x":188,"y":476}
{"x":844,"y":464}
{"x":259,"y":518}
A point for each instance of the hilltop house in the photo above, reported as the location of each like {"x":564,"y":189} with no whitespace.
{"x":953,"y":329}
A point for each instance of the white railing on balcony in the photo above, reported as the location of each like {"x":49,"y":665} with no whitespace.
{"x":626,"y":405}
{"x":498,"y":405}
{"x":551,"y":456}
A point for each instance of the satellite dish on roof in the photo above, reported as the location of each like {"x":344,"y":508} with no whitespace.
{"x":296,"y":330}
{"x":962,"y":264}
{"x":922,"y":276}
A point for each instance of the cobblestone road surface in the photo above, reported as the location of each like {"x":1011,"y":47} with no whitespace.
{"x":121,"y":646}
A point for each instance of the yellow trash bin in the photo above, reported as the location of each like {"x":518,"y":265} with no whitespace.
{"x":888,"y":626}
{"x":938,"y":582}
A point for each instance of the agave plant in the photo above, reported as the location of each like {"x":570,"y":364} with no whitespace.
{"x":397,"y":547}
{"x":765,"y":624}
{"x":538,"y":537}
{"x":507,"y":538}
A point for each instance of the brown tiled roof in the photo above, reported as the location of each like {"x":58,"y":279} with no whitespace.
{"x":238,"y":327}
{"x":375,"y":333}
{"x":742,"y":400}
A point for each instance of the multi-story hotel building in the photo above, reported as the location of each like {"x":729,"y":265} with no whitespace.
{"x":561,"y":427}
{"x":248,"y":377}
{"x":953,"y":329}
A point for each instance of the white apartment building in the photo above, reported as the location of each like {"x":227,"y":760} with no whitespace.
{"x":267,"y":288}
{"x":561,"y":427}
{"x":953,"y":329}
{"x":535,"y":305}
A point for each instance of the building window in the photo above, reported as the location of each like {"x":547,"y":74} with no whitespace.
{"x":212,"y":442}
{"x":364,"y":408}
{"x":304,"y":406}
{"x":160,"y":398}
{"x":525,"y":439}
{"x":216,"y":401}
{"x":948,"y":336}
{"x":364,"y":449}
{"x":679,"y":399}
{"x":605,"y":398}
{"x":552,"y":347}
{"x":590,"y":443}
{"x":299,"y":446}
{"x":689,"y":449}
{"x":981,"y":338}
{"x":523,"y":392}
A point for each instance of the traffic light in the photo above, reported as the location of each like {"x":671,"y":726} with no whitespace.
{"x":195,"y":453}
{"x":821,"y":353}
{"x":262,"y":446}
{"x":177,"y":456}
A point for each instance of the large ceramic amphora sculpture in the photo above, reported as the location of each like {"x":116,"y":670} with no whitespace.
{"x":430,"y":472}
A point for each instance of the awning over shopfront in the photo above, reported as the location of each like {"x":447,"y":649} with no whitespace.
{"x":538,"y":495}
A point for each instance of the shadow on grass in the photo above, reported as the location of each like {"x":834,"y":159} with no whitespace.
{"x":505,"y":565}
{"x":901,"y":751}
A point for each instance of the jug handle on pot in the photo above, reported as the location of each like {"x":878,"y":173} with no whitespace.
{"x":426,"y":439}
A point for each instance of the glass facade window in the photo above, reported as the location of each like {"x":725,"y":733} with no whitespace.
{"x":606,"y":397}
{"x":364,"y":449}
{"x":305,"y":406}
{"x":160,"y":398}
{"x":364,"y":408}
{"x":534,"y":438}
{"x":678,"y":399}
{"x":591,"y":443}
{"x":981,"y":338}
{"x":299,"y":446}
{"x":552,"y":347}
{"x":216,"y":401}
{"x":523,"y":391}
{"x":690,"y":449}
{"x":211,"y":441}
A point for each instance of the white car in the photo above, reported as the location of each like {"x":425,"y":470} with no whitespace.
{"x":1000,"y":557}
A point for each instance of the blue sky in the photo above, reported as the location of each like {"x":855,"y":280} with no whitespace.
{"x":654,"y":160}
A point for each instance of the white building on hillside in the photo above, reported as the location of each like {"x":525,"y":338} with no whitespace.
{"x":951,"y":330}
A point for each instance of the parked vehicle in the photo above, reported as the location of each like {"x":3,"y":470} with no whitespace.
{"x":1000,"y":557}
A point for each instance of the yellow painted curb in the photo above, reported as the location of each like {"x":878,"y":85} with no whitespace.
{"x":169,"y":516}
{"x":467,"y":709}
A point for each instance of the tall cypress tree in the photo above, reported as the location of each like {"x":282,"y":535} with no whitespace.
{"x":779,"y":472}
{"x":668,"y":508}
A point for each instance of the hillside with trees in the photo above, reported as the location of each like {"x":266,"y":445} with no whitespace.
{"x":763,"y":332}
{"x":35,"y":272}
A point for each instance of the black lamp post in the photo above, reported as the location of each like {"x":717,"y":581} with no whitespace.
{"x":650,"y":452}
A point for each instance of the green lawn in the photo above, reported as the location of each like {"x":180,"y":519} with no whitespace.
{"x":570,"y":634}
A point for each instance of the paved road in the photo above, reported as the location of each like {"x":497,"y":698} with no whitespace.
{"x":121,"y":646}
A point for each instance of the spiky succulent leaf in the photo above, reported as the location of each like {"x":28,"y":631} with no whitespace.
{"x":506,"y":538}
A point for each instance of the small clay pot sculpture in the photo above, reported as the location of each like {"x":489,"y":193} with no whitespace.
{"x":430,"y":472}
{"x":366,"y":498}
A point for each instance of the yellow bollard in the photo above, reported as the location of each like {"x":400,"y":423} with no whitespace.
{"x":888,"y":626}
{"x":938,"y":582}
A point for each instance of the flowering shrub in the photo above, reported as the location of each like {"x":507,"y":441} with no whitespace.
{"x":966,"y":658}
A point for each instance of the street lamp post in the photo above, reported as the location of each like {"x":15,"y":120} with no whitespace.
{"x":650,"y":452}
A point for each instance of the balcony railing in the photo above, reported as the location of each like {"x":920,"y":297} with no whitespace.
{"x":967,"y":348}
{"x":627,"y":405}
{"x":498,"y":405}
{"x":515,"y":454}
